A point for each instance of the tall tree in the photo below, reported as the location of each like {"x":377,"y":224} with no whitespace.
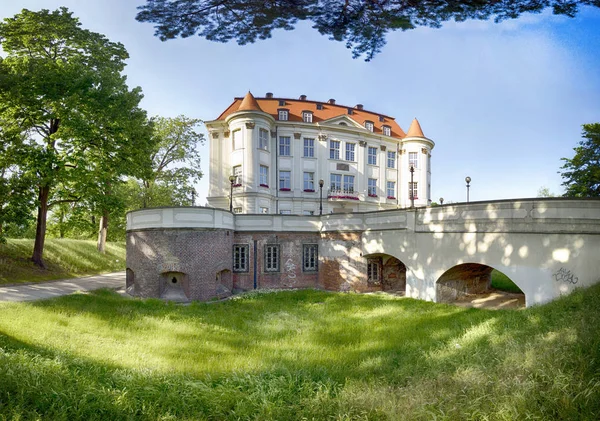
{"x":175,"y":162}
{"x":361,"y":24}
{"x":581,"y":174}
{"x":56,"y":80}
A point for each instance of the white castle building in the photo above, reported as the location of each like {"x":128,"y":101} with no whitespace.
{"x":297,"y":156}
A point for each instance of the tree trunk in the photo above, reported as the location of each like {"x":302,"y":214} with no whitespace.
{"x":61,"y":221}
{"x":103,"y":232}
{"x":40,"y":231}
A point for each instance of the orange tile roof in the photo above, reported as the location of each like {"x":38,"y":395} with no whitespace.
{"x":415,"y":129}
{"x":295,"y":108}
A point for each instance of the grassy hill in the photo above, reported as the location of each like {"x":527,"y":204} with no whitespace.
{"x":298,"y":355}
{"x":65,"y":258}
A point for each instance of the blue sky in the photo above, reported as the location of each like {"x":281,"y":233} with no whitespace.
{"x":503,"y":102}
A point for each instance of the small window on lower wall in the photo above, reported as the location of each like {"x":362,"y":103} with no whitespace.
{"x":373,"y":272}
{"x":310,"y":257}
{"x":240,"y":257}
{"x":272,"y":258}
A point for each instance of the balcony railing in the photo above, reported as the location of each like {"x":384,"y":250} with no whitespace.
{"x":342,"y":194}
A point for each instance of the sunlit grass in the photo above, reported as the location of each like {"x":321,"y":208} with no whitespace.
{"x":64,"y":257}
{"x":295,"y":355}
{"x":503,"y":283}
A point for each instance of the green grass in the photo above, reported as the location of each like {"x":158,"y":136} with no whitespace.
{"x":64,"y":258}
{"x":298,"y":355}
{"x":503,"y":283}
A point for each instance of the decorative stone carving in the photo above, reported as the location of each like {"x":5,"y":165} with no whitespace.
{"x":424,"y":150}
{"x":296,"y":135}
{"x":362,"y":143}
{"x":215,"y":135}
{"x":342,"y":167}
{"x":322,"y":137}
{"x":249,"y":125}
{"x":226,"y":133}
{"x":383,"y":147}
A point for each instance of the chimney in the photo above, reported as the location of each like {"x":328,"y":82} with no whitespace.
{"x":302,"y":97}
{"x":359,"y":106}
{"x":269,"y":95}
{"x":331,"y":101}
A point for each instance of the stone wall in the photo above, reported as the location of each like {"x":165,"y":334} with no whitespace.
{"x":462,"y":280}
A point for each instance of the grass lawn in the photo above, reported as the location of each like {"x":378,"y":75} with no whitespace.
{"x":64,"y":258}
{"x":298,"y":355}
{"x":503,"y":283}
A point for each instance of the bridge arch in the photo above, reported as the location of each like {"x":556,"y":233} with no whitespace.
{"x":386,"y":273}
{"x":467,"y":279}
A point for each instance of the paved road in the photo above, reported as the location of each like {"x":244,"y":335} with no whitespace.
{"x":57,"y":288}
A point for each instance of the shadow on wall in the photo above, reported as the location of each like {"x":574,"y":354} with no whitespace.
{"x":386,"y":273}
{"x":174,"y":286}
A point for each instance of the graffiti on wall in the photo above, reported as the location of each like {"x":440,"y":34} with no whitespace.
{"x":565,"y":275}
{"x":290,"y":268}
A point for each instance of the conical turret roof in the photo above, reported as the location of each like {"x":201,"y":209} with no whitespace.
{"x":249,"y":103}
{"x":415,"y":129}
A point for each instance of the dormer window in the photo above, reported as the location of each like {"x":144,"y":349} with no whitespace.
{"x":319,"y":106}
{"x":281,"y":102}
{"x":307,"y":116}
{"x":283,"y":115}
{"x":369,"y":125}
{"x":387,"y":130}
{"x":350,"y":111}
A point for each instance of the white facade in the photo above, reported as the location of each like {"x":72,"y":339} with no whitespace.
{"x":278,"y":158}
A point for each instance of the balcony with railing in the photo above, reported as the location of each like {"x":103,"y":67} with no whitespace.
{"x":342,"y":194}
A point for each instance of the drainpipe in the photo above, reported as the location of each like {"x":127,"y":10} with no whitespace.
{"x":276,"y":173}
{"x":255,"y":260}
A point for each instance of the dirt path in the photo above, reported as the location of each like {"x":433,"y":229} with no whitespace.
{"x":494,"y":300}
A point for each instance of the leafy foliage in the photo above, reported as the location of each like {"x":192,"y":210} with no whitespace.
{"x":581,"y":173}
{"x":63,"y":97}
{"x":361,"y":24}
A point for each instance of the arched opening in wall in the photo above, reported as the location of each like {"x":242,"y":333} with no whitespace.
{"x":477,"y":285}
{"x":174,"y":286}
{"x":385,"y":273}
{"x":129,"y":281}
{"x":223,"y":284}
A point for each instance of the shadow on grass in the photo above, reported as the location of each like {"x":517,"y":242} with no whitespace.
{"x":312,"y":354}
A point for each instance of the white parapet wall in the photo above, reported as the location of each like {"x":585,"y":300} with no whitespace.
{"x":548,"y":247}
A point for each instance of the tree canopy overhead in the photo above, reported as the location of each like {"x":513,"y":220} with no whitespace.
{"x":361,"y":24}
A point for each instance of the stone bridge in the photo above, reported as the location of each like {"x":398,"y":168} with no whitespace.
{"x":547,"y":247}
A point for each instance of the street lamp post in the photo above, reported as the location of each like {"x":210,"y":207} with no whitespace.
{"x":468,"y":180}
{"x":231,"y":181}
{"x":412,"y":184}
{"x":321,"y":182}
{"x":193,"y":197}
{"x":441,"y":200}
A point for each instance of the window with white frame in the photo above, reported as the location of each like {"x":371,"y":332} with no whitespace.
{"x":307,"y":116}
{"x":391,"y":159}
{"x":309,"y":147}
{"x":240,"y":257}
{"x":372,"y":187}
{"x":237,"y":173}
{"x":263,"y":139}
{"x":391,"y":189}
{"x":335,"y":182}
{"x":373,"y":272}
{"x":309,"y":181}
{"x":350,"y":147}
{"x":236,"y":139}
{"x":413,"y":159}
{"x":285,"y":178}
{"x":319,"y":106}
{"x":272,"y":258}
{"x":387,"y":130}
{"x":348,"y":184}
{"x":283,"y":115}
{"x":334,"y":149}
{"x":310,"y":257}
{"x":369,"y":125}
{"x":413,"y":189}
{"x":264,"y":176}
{"x":372,"y":156}
{"x":285,"y":145}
